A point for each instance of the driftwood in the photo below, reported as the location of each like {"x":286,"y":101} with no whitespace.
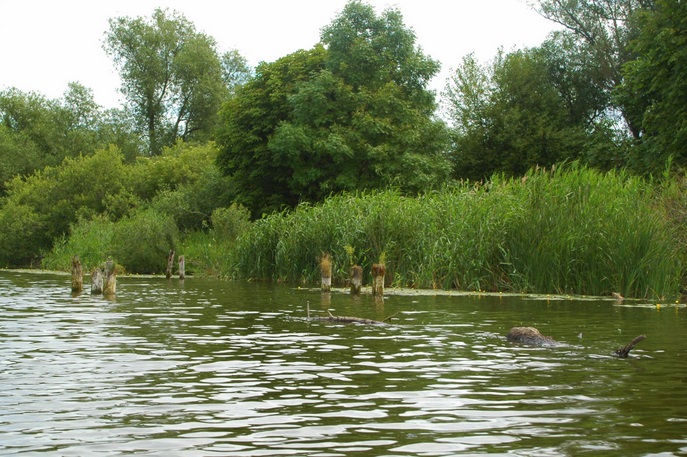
{"x":356,"y":279}
{"x":625,"y":351}
{"x":347,"y":319}
{"x":77,"y":275}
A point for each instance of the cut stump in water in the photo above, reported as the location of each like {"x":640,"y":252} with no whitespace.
{"x":326,"y":272}
{"x":110,"y":287}
{"x":182,"y":267}
{"x":77,"y":275}
{"x":97,"y":281}
{"x":170,"y":263}
{"x":356,"y":279}
{"x":378,"y":272}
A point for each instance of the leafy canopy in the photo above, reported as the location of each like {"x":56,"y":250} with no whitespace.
{"x":351,"y":113}
{"x":172,"y":76}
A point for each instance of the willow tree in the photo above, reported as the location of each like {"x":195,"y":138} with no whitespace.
{"x":172,"y":76}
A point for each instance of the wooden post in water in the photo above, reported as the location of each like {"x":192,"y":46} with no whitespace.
{"x":77,"y":275}
{"x":97,"y":281}
{"x":378,"y":272}
{"x":170,"y":263}
{"x":182,"y":267}
{"x":110,"y":287}
{"x":326,"y":272}
{"x":356,"y":279}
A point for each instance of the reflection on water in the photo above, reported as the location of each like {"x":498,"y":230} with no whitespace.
{"x":215,"y":368}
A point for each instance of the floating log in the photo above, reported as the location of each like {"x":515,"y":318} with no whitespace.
{"x":97,"y":281}
{"x":356,"y":279}
{"x":77,"y":275}
{"x":625,"y":351}
{"x":530,"y":336}
{"x":378,"y":272}
{"x":326,"y":272}
{"x":182,"y":267}
{"x":170,"y":263}
{"x":110,"y":287}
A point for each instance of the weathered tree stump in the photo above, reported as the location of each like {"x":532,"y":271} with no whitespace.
{"x":625,"y":351}
{"x":110,"y":287}
{"x":356,"y":279}
{"x":530,"y":336}
{"x":77,"y":275}
{"x":326,"y":272}
{"x":378,"y":272}
{"x":182,"y":267}
{"x":97,"y":281}
{"x":170,"y":263}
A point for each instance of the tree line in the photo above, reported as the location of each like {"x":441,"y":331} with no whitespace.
{"x":354,"y":112}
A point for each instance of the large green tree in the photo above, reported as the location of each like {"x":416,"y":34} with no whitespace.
{"x":172,"y":76}
{"x":36,"y":132}
{"x":352,"y":113}
{"x":599,"y":32}
{"x":655,"y":84}
{"x":519,"y":112}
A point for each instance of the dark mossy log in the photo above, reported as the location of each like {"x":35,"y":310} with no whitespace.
{"x":378,"y":272}
{"x":110,"y":287}
{"x":77,"y":275}
{"x":530,"y":336}
{"x":97,"y":281}
{"x":625,"y":351}
{"x":182,"y":267}
{"x":170,"y":264}
{"x":326,"y":272}
{"x":356,"y":279}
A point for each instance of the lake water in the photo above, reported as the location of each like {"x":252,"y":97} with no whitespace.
{"x":212,"y":368}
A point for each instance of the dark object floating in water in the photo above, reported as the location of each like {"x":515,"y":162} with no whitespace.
{"x":625,"y":351}
{"x":532,"y":337}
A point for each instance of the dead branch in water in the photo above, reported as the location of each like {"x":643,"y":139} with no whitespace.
{"x":347,"y":319}
{"x":625,"y":351}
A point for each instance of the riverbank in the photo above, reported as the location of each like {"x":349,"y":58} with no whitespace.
{"x":569,"y":231}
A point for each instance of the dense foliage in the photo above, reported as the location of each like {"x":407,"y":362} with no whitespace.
{"x":350,"y":114}
{"x":339,"y":148}
{"x":572,"y":230}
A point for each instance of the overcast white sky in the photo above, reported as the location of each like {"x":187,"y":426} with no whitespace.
{"x":45,"y":44}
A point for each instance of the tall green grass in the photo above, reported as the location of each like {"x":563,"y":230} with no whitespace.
{"x":573,"y":230}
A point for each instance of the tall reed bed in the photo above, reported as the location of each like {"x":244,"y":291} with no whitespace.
{"x":573,"y":230}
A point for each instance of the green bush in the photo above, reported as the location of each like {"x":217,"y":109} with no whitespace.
{"x":231,"y":222}
{"x":90,"y":239}
{"x":141,"y":242}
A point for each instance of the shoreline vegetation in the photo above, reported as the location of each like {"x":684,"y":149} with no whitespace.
{"x":570,"y":230}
